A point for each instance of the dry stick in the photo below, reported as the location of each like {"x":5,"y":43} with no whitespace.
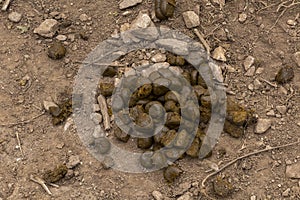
{"x":202,"y":40}
{"x":101,"y":64}
{"x":19,"y":144}
{"x":5,"y":5}
{"x":245,"y":156}
{"x":268,"y":82}
{"x":104,"y":111}
{"x":23,"y":122}
{"x":41,"y":182}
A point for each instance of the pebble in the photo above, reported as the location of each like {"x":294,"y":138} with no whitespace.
{"x":242,"y":17}
{"x":262,"y":125}
{"x":286,"y":193}
{"x":253,"y":197}
{"x":83,"y":17}
{"x":250,"y":72}
{"x":296,"y":57}
{"x":191,"y":19}
{"x":97,"y":118}
{"x":186,"y":196}
{"x":219,"y":54}
{"x":15,"y":17}
{"x":73,"y":162}
{"x":61,"y":37}
{"x":157,"y":195}
{"x":159,"y":58}
{"x":281,"y":109}
{"x":249,"y":61}
{"x":291,"y":22}
{"x":47,"y":28}
{"x":257,"y":84}
{"x":293,"y":171}
{"x":52,"y":108}
{"x":129,"y":3}
{"x":271,"y":113}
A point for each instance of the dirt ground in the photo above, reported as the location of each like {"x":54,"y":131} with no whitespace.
{"x":23,"y":53}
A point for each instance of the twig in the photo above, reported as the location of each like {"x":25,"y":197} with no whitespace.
{"x":271,"y":5}
{"x":19,"y":143}
{"x":101,"y":64}
{"x":5,"y":5}
{"x":268,"y":82}
{"x":23,"y":122}
{"x":41,"y":182}
{"x":104,"y":111}
{"x":202,"y":40}
{"x":203,"y":188}
{"x":293,"y":3}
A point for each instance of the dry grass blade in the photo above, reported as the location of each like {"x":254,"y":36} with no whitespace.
{"x":40,"y":182}
{"x":23,"y":122}
{"x":203,"y":187}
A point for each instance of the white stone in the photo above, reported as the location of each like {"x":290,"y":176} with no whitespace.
{"x":191,"y":19}
{"x":253,"y":197}
{"x":129,"y":3}
{"x":219,"y":54}
{"x":96,"y":117}
{"x":84,"y":17}
{"x":263,"y":125}
{"x":186,"y":196}
{"x":159,"y":57}
{"x":61,"y":37}
{"x":242,"y":17}
{"x":271,"y":113}
{"x":157,"y":195}
{"x":250,"y":71}
{"x":296,"y":57}
{"x":293,"y":171}
{"x":281,"y":109}
{"x":249,"y":61}
{"x":257,"y":84}
{"x":291,"y":22}
{"x":52,"y":108}
{"x":15,"y":17}
{"x":47,"y":28}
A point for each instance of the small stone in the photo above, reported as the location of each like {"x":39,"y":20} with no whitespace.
{"x":271,"y":113}
{"x":83,"y":17}
{"x":285,"y":75}
{"x":291,"y":22}
{"x":96,"y":107}
{"x":296,"y":57}
{"x":47,"y":28}
{"x":96,"y":117}
{"x":186,"y":196}
{"x":129,"y":3}
{"x":251,"y":87}
{"x":219,"y":54}
{"x":15,"y":17}
{"x":242,"y":17}
{"x":253,"y":197}
{"x":249,"y":61}
{"x":52,"y":108}
{"x":281,"y":109}
{"x":262,"y":125}
{"x":250,"y":72}
{"x":257,"y":84}
{"x":286,"y":193}
{"x":73,"y":162}
{"x":159,"y":58}
{"x":157,"y":195}
{"x":293,"y":171}
{"x":191,"y":19}
{"x":61,"y":37}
